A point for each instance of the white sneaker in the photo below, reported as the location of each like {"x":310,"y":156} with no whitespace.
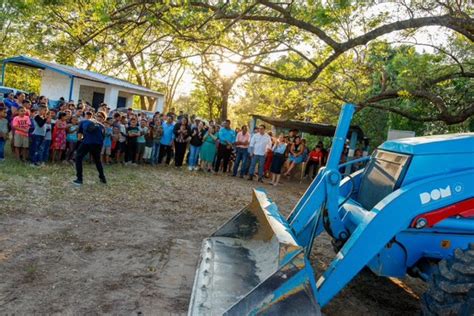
{"x":190,"y":168}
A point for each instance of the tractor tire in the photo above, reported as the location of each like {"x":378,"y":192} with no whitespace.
{"x":451,"y":288}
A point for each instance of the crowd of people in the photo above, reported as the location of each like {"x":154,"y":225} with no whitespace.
{"x":40,"y":135}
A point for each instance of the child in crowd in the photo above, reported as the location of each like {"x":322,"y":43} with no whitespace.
{"x":107,"y":146}
{"x":122,"y":145}
{"x":3,"y":131}
{"x":143,"y":128}
{"x":27,"y":105}
{"x":39,"y":131}
{"x":59,"y":137}
{"x":71,"y":138}
{"x":148,"y":145}
{"x":31,"y":113}
{"x":132,"y":134}
{"x":79,"y":114}
{"x":21,"y":124}
{"x":115,"y":142}
{"x":47,"y":139}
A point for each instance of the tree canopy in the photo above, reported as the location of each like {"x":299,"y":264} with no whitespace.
{"x":410,"y":60}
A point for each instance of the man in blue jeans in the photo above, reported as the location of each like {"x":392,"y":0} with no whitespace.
{"x":259,"y":144}
{"x":166,"y":142}
{"x":242,"y":142}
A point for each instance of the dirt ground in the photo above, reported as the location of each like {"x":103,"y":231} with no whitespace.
{"x":131,"y":247}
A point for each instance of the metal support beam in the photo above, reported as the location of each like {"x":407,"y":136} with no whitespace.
{"x":350,"y":155}
{"x":323,"y":192}
{"x":71,"y":88}
{"x":4,"y":66}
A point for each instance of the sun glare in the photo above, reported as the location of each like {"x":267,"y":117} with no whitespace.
{"x":227,"y":69}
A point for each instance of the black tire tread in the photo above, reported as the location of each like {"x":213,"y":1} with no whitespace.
{"x":451,"y":288}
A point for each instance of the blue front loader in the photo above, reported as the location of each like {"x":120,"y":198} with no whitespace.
{"x":410,"y":207}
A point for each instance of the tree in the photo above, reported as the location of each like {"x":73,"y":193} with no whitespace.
{"x":212,"y":79}
{"x":332,"y":31}
{"x":100,"y":37}
{"x":360,"y":79}
{"x":206,"y":99}
{"x":326,"y":25}
{"x":317,"y":38}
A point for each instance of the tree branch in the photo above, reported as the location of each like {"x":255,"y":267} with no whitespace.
{"x":443,"y":115}
{"x":461,"y":25}
{"x":288,"y":19}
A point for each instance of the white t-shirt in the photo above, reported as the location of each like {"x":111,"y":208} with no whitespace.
{"x":123,"y":132}
{"x":259,"y":144}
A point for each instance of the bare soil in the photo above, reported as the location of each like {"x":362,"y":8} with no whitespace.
{"x":131,"y":247}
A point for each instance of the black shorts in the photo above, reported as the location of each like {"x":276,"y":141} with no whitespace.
{"x":140,"y":148}
{"x":122,"y":147}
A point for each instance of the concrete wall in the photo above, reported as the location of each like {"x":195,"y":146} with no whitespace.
{"x":86,"y":93}
{"x":55,"y":85}
{"x":81,"y":84}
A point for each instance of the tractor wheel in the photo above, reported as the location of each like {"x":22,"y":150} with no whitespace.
{"x":451,"y":288}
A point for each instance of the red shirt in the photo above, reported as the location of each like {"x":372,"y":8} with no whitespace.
{"x":316,"y":155}
{"x":21,"y":122}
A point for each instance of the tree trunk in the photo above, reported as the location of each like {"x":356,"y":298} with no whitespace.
{"x":142,"y":103}
{"x":210,"y":107}
{"x":151,"y":104}
{"x":224,"y":105}
{"x":225,"y":92}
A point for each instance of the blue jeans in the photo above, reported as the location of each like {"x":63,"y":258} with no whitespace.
{"x":194,"y":155}
{"x":45,"y":150}
{"x":241,"y":156}
{"x":261,"y":161}
{"x":30,"y":148}
{"x":2,"y":148}
{"x":36,"y":148}
{"x":155,"y":152}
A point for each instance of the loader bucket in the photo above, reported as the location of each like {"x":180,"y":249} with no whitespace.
{"x":252,"y":265}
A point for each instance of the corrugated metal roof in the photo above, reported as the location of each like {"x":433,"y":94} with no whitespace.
{"x":78,"y":73}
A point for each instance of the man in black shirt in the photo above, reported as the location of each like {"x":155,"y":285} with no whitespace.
{"x":92,"y":133}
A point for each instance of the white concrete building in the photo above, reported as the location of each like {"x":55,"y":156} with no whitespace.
{"x":78,"y":84}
